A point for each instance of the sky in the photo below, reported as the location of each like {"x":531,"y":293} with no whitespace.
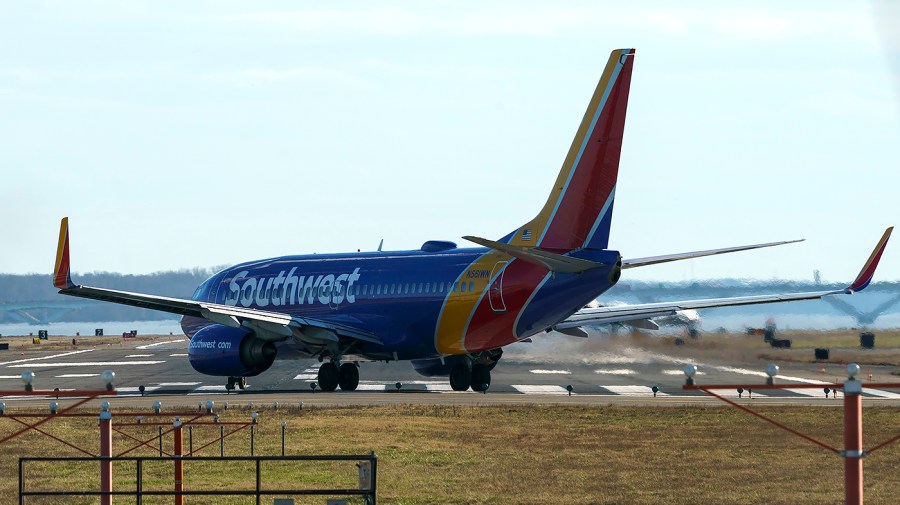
{"x":196,"y":134}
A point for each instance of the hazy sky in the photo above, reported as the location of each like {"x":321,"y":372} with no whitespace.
{"x":187,"y":134}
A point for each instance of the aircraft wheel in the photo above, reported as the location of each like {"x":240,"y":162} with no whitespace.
{"x":242,"y":383}
{"x":230,"y":385}
{"x":349,"y":377}
{"x":328,"y":376}
{"x":481,"y":378}
{"x":460,"y":377}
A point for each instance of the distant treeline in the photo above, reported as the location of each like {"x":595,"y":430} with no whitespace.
{"x":33,"y":295}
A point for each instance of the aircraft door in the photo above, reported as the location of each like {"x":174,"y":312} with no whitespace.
{"x":495,"y":292}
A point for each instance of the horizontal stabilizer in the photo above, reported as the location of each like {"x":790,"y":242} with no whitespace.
{"x":552,"y":261}
{"x":653,"y":260}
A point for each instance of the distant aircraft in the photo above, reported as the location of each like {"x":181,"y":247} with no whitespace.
{"x":449,"y":310}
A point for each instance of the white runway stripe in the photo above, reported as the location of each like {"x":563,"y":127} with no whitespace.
{"x":45,"y":357}
{"x":148,"y":346}
{"x":439,"y":387}
{"x":632,"y":390}
{"x":10,"y":376}
{"x":139,"y":356}
{"x":371,"y":387}
{"x":680,"y":372}
{"x":808,"y":392}
{"x":306,"y":377}
{"x":177,"y":355}
{"x":551,"y":372}
{"x":311,"y":370}
{"x":203,"y":390}
{"x":176,"y":384}
{"x":87,"y":363}
{"x":732,"y":393}
{"x":132,"y":391}
{"x":878,"y":392}
{"x":615,"y":371}
{"x":76,"y":375}
{"x":540,"y":389}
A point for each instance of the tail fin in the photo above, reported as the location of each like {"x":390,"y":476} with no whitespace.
{"x":61,"y":277}
{"x":578,"y":212}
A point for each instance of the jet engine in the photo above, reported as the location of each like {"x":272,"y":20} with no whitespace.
{"x":231,"y":352}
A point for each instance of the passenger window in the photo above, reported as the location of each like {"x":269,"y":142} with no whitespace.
{"x":406,"y":289}
{"x":378,"y":289}
{"x":392,"y":288}
{"x":420,"y":287}
{"x":441,"y":287}
{"x":471,"y":286}
{"x":462,"y":286}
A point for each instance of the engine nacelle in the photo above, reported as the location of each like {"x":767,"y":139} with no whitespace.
{"x":231,"y":352}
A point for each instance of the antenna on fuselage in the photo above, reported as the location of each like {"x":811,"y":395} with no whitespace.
{"x":380,"y":244}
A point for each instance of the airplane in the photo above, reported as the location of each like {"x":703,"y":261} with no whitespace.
{"x":449,"y":310}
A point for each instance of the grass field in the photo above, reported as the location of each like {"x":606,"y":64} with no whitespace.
{"x":516,"y":454}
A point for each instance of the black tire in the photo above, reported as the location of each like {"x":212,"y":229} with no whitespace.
{"x":328,"y":376}
{"x":481,"y":378}
{"x":348,"y":377}
{"x":460,"y":377}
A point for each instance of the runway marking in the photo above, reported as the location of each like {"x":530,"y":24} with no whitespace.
{"x":440,"y":387}
{"x":88,"y":363}
{"x":143,"y":347}
{"x":878,"y":392}
{"x":551,"y":372}
{"x":306,"y":377}
{"x":540,"y":389}
{"x":815,"y":393}
{"x":76,"y":375}
{"x":133,"y":391}
{"x":176,"y":384}
{"x":618,"y":371}
{"x":371,"y":387}
{"x":680,"y":372}
{"x":10,"y":376}
{"x":311,"y":370}
{"x":205,"y":390}
{"x":139,"y":356}
{"x":45,"y":357}
{"x":632,"y":390}
{"x":732,"y":393}
{"x":177,"y":355}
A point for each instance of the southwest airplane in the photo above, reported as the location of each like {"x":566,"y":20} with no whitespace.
{"x":449,"y":310}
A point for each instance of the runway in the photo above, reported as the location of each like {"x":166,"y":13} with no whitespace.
{"x":600,"y":373}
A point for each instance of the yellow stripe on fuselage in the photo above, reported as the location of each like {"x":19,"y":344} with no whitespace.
{"x":459,"y":306}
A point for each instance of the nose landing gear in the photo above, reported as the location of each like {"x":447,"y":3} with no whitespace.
{"x":240,"y":382}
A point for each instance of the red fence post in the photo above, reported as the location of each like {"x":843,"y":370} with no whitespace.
{"x":853,"y":441}
{"x":105,"y":455}
{"x":179,"y":464}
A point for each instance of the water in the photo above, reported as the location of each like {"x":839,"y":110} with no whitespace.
{"x":110,"y":328}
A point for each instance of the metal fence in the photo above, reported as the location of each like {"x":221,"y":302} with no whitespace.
{"x":366,"y":464}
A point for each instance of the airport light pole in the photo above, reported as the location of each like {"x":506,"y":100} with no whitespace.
{"x":853,"y":452}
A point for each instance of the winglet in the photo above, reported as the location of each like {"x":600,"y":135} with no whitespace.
{"x":868,"y":270}
{"x":61,"y":277}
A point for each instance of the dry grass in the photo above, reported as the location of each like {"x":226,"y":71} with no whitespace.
{"x":524,"y":454}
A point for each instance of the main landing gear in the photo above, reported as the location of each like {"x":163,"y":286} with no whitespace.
{"x":330,"y":376}
{"x":477,"y":376}
{"x":240,"y":382}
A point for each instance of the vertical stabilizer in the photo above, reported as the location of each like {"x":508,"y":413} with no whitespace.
{"x":578,"y":212}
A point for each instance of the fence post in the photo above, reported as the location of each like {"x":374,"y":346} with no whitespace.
{"x":105,"y":454}
{"x":853,"y":434}
{"x":179,"y":463}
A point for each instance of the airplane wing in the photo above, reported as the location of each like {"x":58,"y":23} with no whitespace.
{"x":268,"y":325}
{"x":620,"y":313}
